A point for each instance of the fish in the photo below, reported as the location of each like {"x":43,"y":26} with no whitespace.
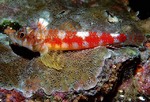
{"x":39,"y":38}
{"x":43,"y":40}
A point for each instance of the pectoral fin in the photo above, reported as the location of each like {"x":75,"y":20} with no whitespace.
{"x":52,"y":61}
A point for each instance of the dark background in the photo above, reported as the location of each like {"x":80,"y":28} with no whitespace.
{"x":143,"y":6}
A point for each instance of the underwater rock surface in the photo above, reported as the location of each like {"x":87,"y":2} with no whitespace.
{"x":82,"y":71}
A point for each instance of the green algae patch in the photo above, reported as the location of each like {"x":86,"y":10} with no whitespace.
{"x":129,"y":51}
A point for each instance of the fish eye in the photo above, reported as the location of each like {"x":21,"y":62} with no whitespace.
{"x":22,"y":35}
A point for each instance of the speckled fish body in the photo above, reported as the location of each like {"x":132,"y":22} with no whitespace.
{"x":43,"y":39}
{"x":68,"y":40}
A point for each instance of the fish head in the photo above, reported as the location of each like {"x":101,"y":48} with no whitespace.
{"x":31,"y":38}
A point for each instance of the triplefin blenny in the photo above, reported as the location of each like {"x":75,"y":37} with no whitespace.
{"x":42,"y":39}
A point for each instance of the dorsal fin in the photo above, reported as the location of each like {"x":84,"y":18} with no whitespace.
{"x":42,"y":23}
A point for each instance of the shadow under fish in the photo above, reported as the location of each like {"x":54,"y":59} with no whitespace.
{"x":24,"y":52}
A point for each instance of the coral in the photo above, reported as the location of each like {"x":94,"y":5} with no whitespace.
{"x":8,"y":62}
{"x":16,"y":10}
{"x":70,"y":25}
{"x":130,"y":90}
{"x":79,"y":73}
{"x":3,"y":40}
{"x":145,"y":25}
{"x":136,"y":87}
{"x":82,"y":71}
{"x":11,"y":96}
{"x":83,"y":3}
{"x":143,"y":77}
